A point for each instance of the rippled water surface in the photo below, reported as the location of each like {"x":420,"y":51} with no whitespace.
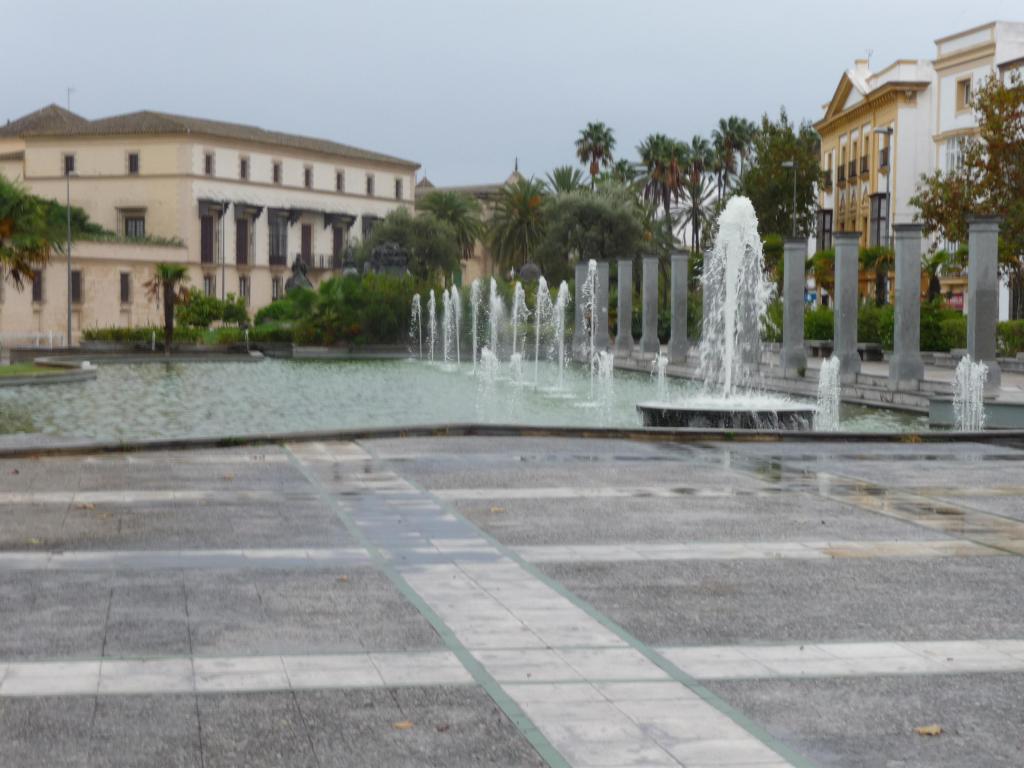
{"x":184,"y":399}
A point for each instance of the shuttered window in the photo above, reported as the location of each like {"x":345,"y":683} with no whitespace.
{"x":241,"y":241}
{"x":278,"y":240}
{"x":206,"y":240}
{"x":76,"y":287}
{"x":37,"y":287}
{"x":126,"y":287}
{"x":307,"y":243}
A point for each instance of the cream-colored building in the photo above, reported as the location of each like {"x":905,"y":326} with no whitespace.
{"x":923,"y":110}
{"x":238,"y":204}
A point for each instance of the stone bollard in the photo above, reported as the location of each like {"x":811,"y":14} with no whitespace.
{"x":579,"y":336}
{"x":601,"y":339}
{"x":678,"y":343}
{"x":906,"y":368}
{"x":649,"y":343}
{"x":983,"y":295}
{"x":793,"y":358}
{"x":624,"y":338}
{"x":844,"y":343}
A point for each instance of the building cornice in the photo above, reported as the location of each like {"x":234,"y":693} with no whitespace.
{"x":972,"y":131}
{"x":880,"y":97}
{"x":965,"y":56}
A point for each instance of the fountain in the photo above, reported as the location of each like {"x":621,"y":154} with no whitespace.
{"x":456,"y":310}
{"x":474,"y":306}
{"x":736,"y":296}
{"x":542,"y":312}
{"x":659,"y":367}
{"x":605,"y":363}
{"x":495,"y":311}
{"x":446,"y":325}
{"x":561,"y":306}
{"x":431,"y":322}
{"x":968,"y":395}
{"x":519,"y":314}
{"x":416,"y":322}
{"x":826,"y":416}
{"x":588,"y":297}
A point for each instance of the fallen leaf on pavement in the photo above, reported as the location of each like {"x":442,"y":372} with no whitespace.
{"x":442,"y":727}
{"x":343,"y":578}
{"x":35,"y":542}
{"x":496,"y":510}
{"x":85,"y":505}
{"x":229,"y":477}
{"x":404,"y":725}
{"x":928,"y":730}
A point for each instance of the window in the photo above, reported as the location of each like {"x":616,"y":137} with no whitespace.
{"x":210,"y":285}
{"x":963,"y":95}
{"x":307,"y":244}
{"x":133,"y":163}
{"x":398,"y":189}
{"x":278,"y":240}
{"x":277,"y":171}
{"x":69,"y":164}
{"x":37,"y":288}
{"x":369,"y":185}
{"x":339,"y":240}
{"x":76,"y":287}
{"x":134,"y":224}
{"x":878,"y":234}
{"x":206,"y":239}
{"x":243,"y":241}
{"x":824,"y":229}
{"x":243,"y":287}
{"x":275,"y":288}
{"x":339,"y":181}
{"x":208,"y":164}
{"x":126,"y":287}
{"x":243,"y":168}
{"x":307,"y":177}
{"x":955,"y":153}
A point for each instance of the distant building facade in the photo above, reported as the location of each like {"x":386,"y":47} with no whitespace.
{"x":926,"y":106}
{"x":237,"y":204}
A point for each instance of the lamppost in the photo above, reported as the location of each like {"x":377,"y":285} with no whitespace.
{"x":887,"y":132}
{"x":792,"y":164}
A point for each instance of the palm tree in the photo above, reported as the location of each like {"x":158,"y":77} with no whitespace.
{"x":518,"y":221}
{"x":25,"y":236}
{"x":823,"y":266}
{"x":594,"y":147}
{"x":459,"y":210}
{"x":880,"y":259}
{"x":565,"y":178}
{"x":745,"y":131}
{"x":698,"y":192}
{"x":665,"y":160}
{"x":167,"y":284}
{"x":623,"y":172}
{"x":726,"y":139}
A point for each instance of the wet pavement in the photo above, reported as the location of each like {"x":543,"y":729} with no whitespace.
{"x":514,"y":601}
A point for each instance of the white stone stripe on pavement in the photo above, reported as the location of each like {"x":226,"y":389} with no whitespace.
{"x":141,"y":497}
{"x":754,"y":550}
{"x":230,"y":674}
{"x":934,"y":657}
{"x":574,"y":492}
{"x":183,"y":558}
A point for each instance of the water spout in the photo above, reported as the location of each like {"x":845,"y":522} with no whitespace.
{"x":659,"y":368}
{"x":826,"y":415}
{"x":969,"y":395}
{"x":561,"y":307}
{"x":542,"y":313}
{"x":416,"y":322}
{"x":432,"y":322}
{"x":474,"y":306}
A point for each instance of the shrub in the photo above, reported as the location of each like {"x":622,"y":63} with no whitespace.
{"x":952,"y":333}
{"x":197,"y":310}
{"x":1010,"y":337}
{"x":271,"y":332}
{"x":141,"y":335}
{"x":234,"y":310}
{"x":875,"y":325}
{"x":819,"y":324}
{"x":773,"y":323}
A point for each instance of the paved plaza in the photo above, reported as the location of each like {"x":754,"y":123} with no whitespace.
{"x":514,"y":601}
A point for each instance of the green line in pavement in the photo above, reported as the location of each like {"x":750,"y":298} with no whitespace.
{"x":677,"y":674}
{"x":482,"y":677}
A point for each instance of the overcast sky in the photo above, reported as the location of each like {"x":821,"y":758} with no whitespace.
{"x":461,"y":86}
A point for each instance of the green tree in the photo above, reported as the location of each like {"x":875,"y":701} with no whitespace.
{"x":623,"y":172}
{"x":461,"y":212}
{"x":432,"y":244}
{"x":594,"y":148}
{"x":518,"y":221}
{"x":878,"y":259}
{"x":565,"y":178}
{"x":665,"y":160}
{"x":25,"y":237}
{"x":945,"y":200}
{"x":770,"y":186}
{"x":167,"y":285}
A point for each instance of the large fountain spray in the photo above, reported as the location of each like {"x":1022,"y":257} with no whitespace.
{"x":736,"y":296}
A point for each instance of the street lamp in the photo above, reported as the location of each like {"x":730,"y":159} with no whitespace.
{"x":792,"y":164}
{"x":887,"y":132}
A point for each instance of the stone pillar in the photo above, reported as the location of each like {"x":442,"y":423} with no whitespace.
{"x":649,"y":343}
{"x":624,"y":338}
{"x":678,"y":343}
{"x":579,"y":337}
{"x":906,"y":367}
{"x":793,"y":358}
{"x":983,"y":295}
{"x":845,"y":304}
{"x":601,"y":340}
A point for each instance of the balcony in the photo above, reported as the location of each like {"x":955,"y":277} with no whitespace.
{"x":852,"y":169}
{"x":319,"y":262}
{"x":883,"y":159}
{"x":828,"y":178}
{"x":841,"y":175}
{"x":278,"y":260}
{"x":864,"y":165}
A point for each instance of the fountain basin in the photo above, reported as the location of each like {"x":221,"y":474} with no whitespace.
{"x":795,"y":417}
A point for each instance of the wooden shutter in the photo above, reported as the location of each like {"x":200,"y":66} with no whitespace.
{"x":307,"y":242}
{"x":206,"y":239}
{"x":241,"y":241}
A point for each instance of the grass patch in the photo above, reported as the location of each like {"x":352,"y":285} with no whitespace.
{"x":27,"y":369}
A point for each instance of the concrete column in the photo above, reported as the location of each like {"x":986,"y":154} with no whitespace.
{"x":983,"y":294}
{"x":793,"y":358}
{"x":649,"y":343}
{"x":845,"y":304}
{"x":579,"y":337}
{"x":624,"y":338}
{"x":906,"y":367}
{"x":601,"y":340}
{"x":678,"y":343}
